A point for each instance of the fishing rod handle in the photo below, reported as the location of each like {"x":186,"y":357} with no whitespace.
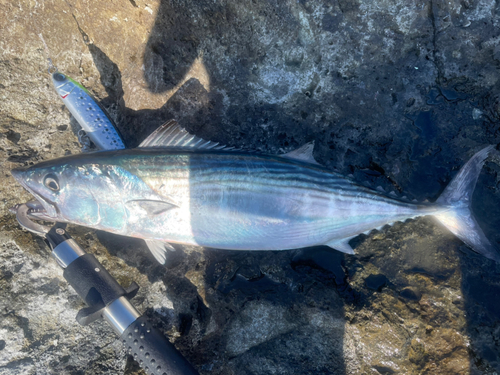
{"x":107,"y":299}
{"x":154,"y":353}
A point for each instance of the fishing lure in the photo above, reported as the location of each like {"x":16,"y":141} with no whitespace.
{"x":91,"y":117}
{"x":96,"y":125}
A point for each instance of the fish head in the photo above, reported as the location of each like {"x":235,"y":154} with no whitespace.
{"x":65,"y":190}
{"x":95,"y":190}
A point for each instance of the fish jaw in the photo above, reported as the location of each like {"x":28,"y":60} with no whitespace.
{"x":42,"y":208}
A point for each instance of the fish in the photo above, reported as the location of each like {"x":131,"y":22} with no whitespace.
{"x":87,"y":112}
{"x":177,"y":188}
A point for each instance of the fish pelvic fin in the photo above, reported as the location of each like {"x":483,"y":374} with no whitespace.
{"x":159,"y":249}
{"x":456,"y":201}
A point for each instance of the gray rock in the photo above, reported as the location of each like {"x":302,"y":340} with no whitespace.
{"x":398,"y":94}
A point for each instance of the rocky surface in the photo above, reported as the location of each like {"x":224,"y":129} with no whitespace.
{"x":398,"y":93}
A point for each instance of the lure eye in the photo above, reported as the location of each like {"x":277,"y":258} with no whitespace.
{"x":51,"y":182}
{"x":59,"y":77}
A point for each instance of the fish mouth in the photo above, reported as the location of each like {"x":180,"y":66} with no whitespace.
{"x":38,"y":211}
{"x":41,"y":208}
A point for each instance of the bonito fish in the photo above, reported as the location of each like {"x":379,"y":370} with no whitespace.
{"x":179,"y":188}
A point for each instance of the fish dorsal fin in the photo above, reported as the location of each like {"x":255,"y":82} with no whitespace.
{"x":341,"y":245}
{"x":159,"y":249}
{"x":171,"y":134}
{"x":304,"y":153}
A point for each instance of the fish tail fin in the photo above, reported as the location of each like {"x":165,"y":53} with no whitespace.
{"x":456,"y":201}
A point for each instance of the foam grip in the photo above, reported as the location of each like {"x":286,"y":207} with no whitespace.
{"x":154,"y":353}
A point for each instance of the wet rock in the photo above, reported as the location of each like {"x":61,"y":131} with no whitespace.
{"x":397,"y":94}
{"x":258,"y":323}
{"x":410,"y":294}
{"x":376,"y":282}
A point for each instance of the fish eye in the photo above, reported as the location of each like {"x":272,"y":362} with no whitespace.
{"x":51,"y":182}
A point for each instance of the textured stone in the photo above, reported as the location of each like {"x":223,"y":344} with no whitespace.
{"x":399,"y":94}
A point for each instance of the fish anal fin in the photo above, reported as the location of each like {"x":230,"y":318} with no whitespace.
{"x":151,"y":207}
{"x":159,"y":249}
{"x":304,"y":153}
{"x":171,"y":134}
{"x":341,"y":245}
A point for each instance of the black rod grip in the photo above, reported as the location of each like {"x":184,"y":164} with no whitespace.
{"x":92,"y":281}
{"x":154,"y":353}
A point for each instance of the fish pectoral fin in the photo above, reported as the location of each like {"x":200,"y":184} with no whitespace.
{"x":341,"y":245}
{"x":304,"y":153}
{"x":152,"y":207}
{"x":159,"y":249}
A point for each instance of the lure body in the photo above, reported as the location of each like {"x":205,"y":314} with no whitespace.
{"x":87,"y":112}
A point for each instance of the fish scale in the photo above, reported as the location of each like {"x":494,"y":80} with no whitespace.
{"x":275,"y":173}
